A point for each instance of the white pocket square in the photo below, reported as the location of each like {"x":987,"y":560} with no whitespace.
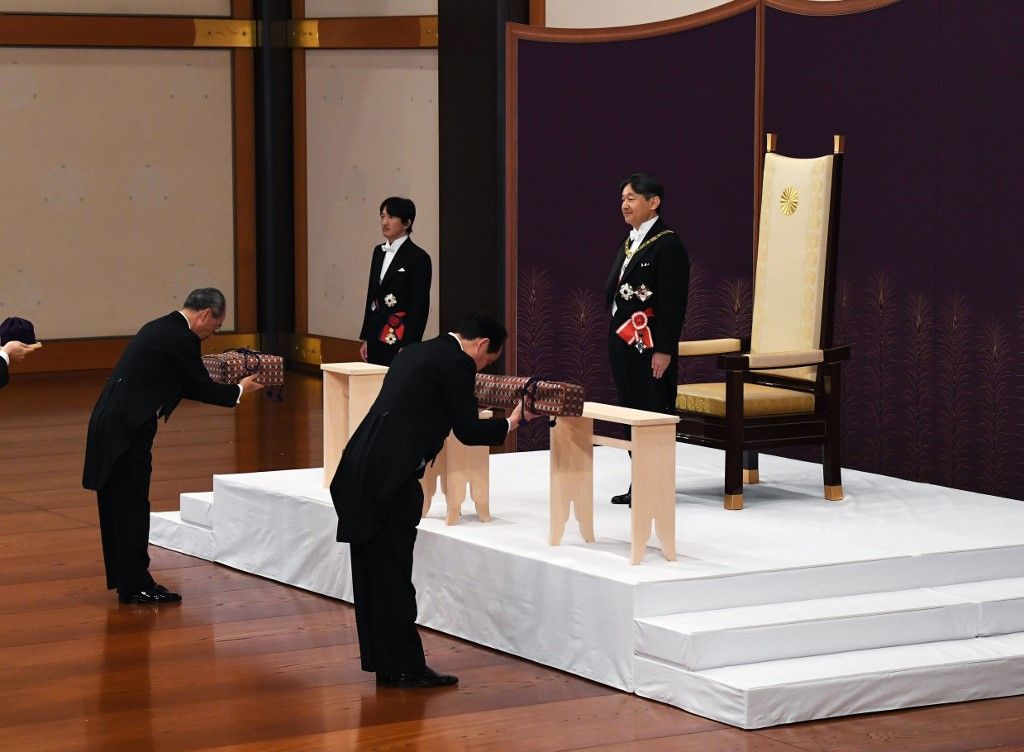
{"x":402,"y":269}
{"x":645,"y":263}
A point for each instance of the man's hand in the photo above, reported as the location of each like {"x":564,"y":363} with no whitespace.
{"x":250,"y":384}
{"x":17,"y":351}
{"x":519,"y":413}
{"x":362,"y":351}
{"x":659,"y":363}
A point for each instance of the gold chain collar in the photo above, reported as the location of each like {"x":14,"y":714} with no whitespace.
{"x":629,"y":253}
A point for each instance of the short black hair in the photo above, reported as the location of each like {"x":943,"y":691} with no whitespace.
{"x":403,"y":208}
{"x":646,"y":185}
{"x":479,"y":325}
{"x":206,"y":297}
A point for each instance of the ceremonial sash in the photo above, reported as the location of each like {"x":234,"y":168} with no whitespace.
{"x":394,"y":330}
{"x":635,"y":330}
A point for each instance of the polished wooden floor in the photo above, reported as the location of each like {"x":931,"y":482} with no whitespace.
{"x":249,"y":664}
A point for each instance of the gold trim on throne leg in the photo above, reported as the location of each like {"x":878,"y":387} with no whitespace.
{"x":834,"y":493}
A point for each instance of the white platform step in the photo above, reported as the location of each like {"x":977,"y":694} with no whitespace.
{"x":751,"y":634}
{"x":168,"y":530}
{"x":1001,"y":603}
{"x":501,"y":585}
{"x":801,"y":689}
{"x":196,"y":508}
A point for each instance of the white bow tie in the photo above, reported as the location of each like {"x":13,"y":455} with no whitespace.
{"x":633,"y":235}
{"x":387,"y":247}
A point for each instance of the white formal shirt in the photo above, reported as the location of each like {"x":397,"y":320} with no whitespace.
{"x":5,"y":356}
{"x":389,"y":254}
{"x":459,"y":340}
{"x":241,"y":391}
{"x":636,"y":237}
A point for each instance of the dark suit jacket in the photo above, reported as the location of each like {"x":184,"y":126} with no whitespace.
{"x":3,"y":373}
{"x":427,"y":393}
{"x":162,"y":364}
{"x":658,"y":278}
{"x":408,"y":281}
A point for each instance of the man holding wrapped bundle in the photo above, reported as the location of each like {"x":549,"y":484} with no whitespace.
{"x":427,"y":393}
{"x":161,"y":365}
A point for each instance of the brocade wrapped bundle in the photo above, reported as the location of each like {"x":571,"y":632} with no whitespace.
{"x":557,"y":398}
{"x":232,"y":366}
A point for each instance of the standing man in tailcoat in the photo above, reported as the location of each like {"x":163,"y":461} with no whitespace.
{"x":398,"y":291}
{"x":161,"y":365}
{"x":427,"y":393}
{"x":646,"y":292}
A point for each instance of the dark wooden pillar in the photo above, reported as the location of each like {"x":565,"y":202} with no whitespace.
{"x":471,"y":91}
{"x":275,"y":263}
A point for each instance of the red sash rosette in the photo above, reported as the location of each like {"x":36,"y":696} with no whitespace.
{"x":635,"y":330}
{"x":394,"y":330}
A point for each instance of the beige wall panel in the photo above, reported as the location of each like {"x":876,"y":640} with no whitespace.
{"x":372,"y":133}
{"x":598,"y":14}
{"x":126,"y":7}
{"x":117,"y":195}
{"x":347,"y":8}
{"x":573,"y":14}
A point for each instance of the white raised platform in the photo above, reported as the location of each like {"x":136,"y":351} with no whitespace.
{"x":792,"y":609}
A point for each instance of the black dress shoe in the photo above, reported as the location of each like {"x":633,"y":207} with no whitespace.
{"x":626,"y":498}
{"x":425,"y":677}
{"x":157,"y":595}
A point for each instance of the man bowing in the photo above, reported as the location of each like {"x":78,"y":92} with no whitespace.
{"x":427,"y":393}
{"x":162,"y":364}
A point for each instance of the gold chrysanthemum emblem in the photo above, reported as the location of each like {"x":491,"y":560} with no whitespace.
{"x":789,"y":200}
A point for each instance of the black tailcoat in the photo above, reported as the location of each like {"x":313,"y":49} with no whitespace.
{"x":161,"y":365}
{"x":427,"y":393}
{"x":405,"y":289}
{"x":656,"y":279}
{"x":3,"y":373}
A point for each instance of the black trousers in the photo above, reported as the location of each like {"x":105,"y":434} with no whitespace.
{"x":385,"y":598}
{"x":124,"y":515}
{"x":634,"y":382}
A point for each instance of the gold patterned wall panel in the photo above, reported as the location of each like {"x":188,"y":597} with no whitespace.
{"x":117,"y":196}
{"x":371,"y":121}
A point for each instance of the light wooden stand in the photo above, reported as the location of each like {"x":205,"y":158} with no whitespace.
{"x":458,"y":465}
{"x":653,"y":474}
{"x":349,"y":390}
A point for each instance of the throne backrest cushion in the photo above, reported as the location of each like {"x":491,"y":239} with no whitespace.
{"x":789,"y":281}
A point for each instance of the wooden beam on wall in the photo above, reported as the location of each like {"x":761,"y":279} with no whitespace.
{"x":834,"y":8}
{"x":373,"y":32}
{"x":759,"y":142}
{"x":300,"y":189}
{"x":244,"y":145}
{"x":43,"y":30}
{"x":538,"y":12}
